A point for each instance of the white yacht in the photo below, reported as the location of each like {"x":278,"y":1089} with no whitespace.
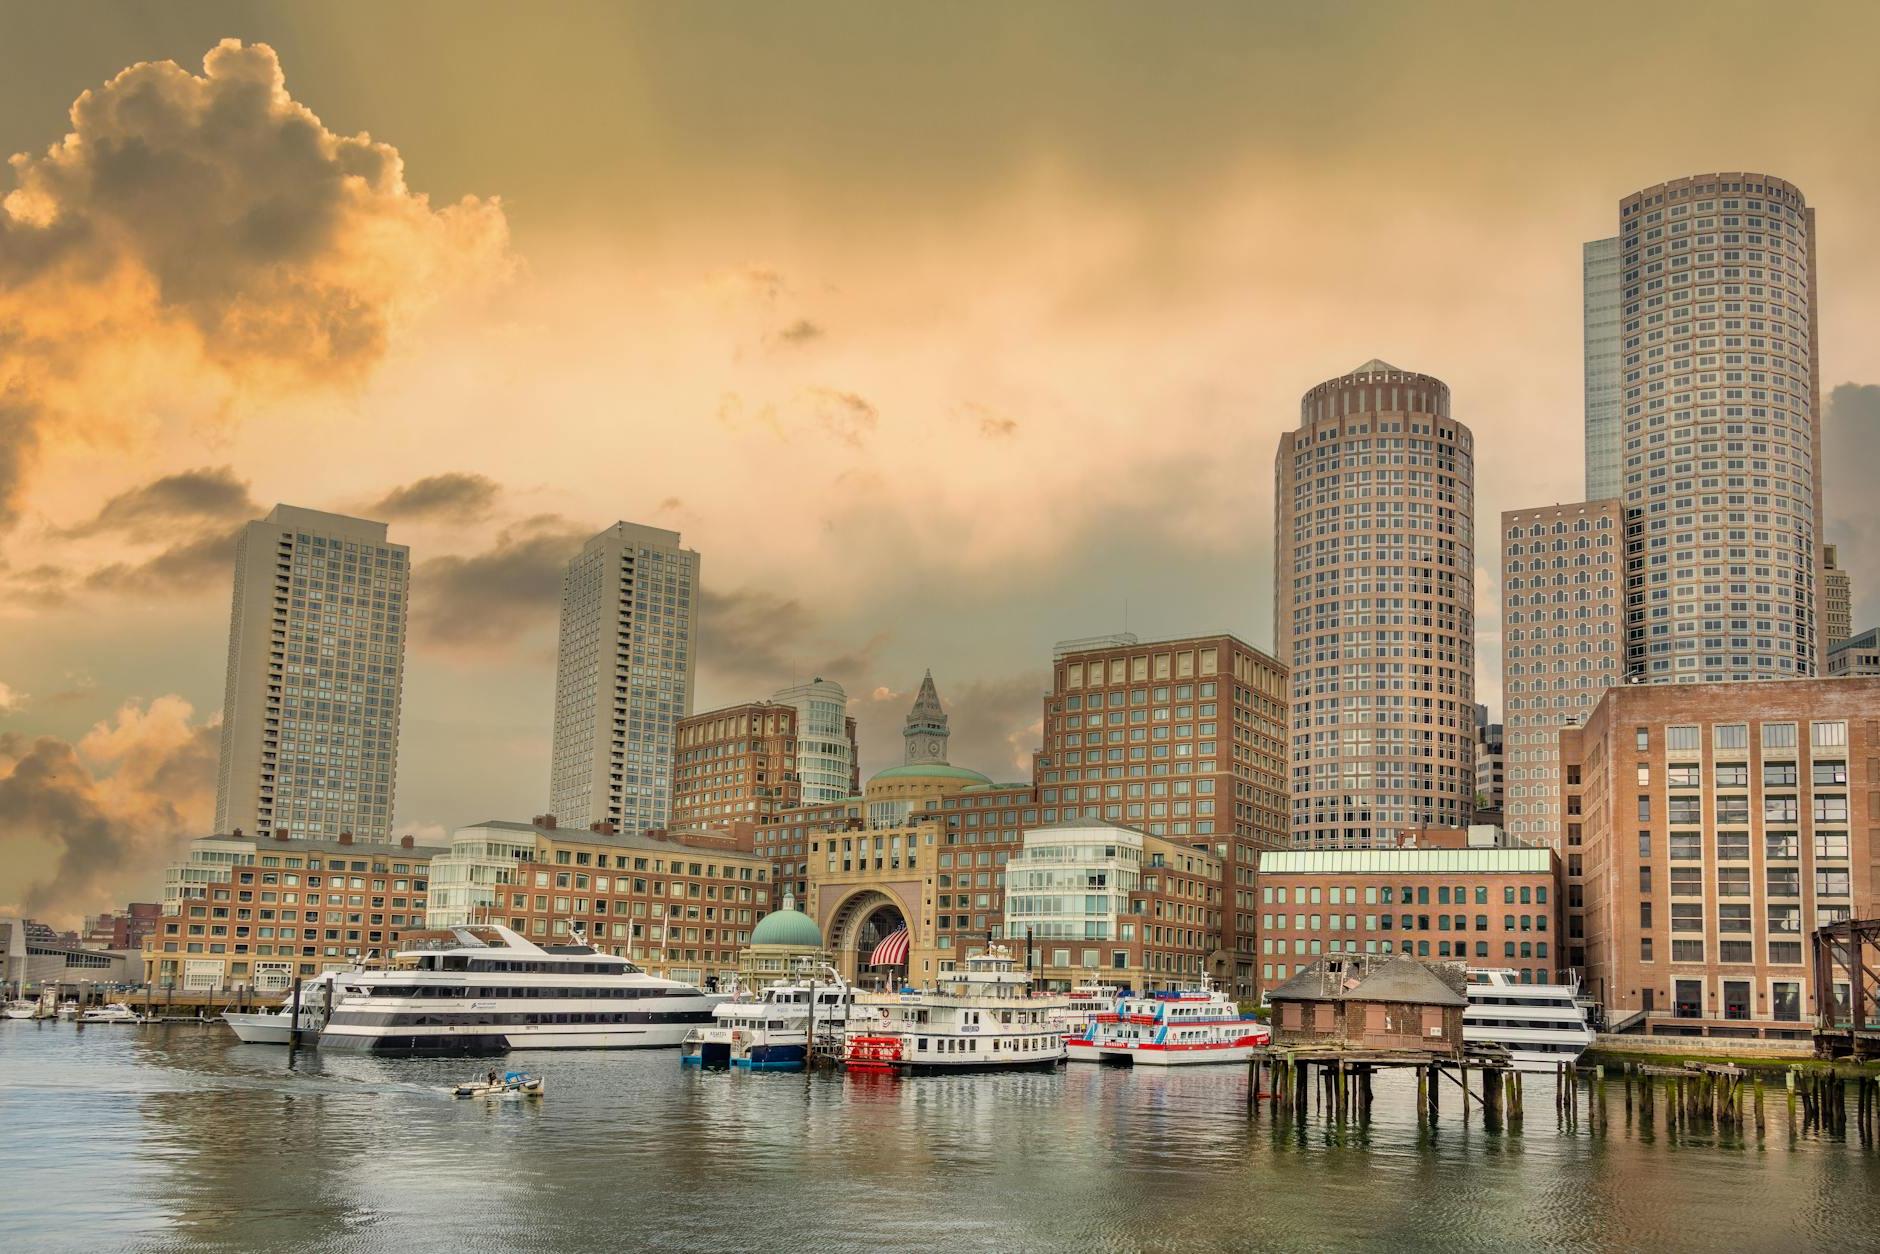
{"x":485,"y":989}
{"x":21,"y":1008}
{"x":275,"y":1027}
{"x":985,"y":1017}
{"x":116,"y":1012}
{"x":1088,"y":1004}
{"x":1540,"y":1025}
{"x":770,"y":1031}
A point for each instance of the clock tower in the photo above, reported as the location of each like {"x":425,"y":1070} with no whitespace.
{"x":926,"y":731}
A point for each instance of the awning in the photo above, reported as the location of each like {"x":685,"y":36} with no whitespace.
{"x":891,"y":951}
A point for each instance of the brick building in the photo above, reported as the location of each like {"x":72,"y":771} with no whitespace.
{"x":1710,"y":829}
{"x":242,"y":912}
{"x":1487,"y":905}
{"x":123,"y":929}
{"x":735,"y":765}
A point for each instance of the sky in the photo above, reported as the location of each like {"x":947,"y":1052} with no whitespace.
{"x":942,"y":332}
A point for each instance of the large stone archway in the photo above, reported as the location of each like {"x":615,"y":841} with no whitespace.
{"x":855,"y":919}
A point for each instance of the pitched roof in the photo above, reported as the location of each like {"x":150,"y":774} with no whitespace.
{"x":1407,"y":980}
{"x":1359,"y":977}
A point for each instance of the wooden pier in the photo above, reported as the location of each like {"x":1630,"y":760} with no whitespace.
{"x":1340,"y":1080}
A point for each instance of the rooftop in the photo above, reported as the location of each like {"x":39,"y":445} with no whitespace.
{"x":1535,"y":860}
{"x":614,"y":840}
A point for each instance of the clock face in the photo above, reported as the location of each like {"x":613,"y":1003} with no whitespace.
{"x":933,"y":748}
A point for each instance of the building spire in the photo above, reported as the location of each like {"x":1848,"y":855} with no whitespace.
{"x":925,"y":732}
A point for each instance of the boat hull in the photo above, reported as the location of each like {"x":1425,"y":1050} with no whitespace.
{"x":1151,"y":1055}
{"x":474,"y":1041}
{"x":262,"y":1029}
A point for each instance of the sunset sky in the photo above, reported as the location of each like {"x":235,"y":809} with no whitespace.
{"x":942,"y":332}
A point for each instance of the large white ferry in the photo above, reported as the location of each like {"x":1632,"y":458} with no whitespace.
{"x":984,"y":1017}
{"x":1540,"y":1025}
{"x":770,"y":1032}
{"x":485,"y":989}
{"x":1170,"y":1029}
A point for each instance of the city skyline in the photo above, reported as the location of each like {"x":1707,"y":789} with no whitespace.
{"x":783,"y":388}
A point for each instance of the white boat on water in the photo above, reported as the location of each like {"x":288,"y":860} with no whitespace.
{"x":484,"y":989}
{"x":1184,"y":1027}
{"x":509,"y":1084}
{"x":68,"y":1010}
{"x":21,"y":1008}
{"x":1088,"y":1003}
{"x":1540,"y":1025}
{"x":770,"y":1031}
{"x":275,"y":1027}
{"x":984,"y":1018}
{"x":115,"y":1012}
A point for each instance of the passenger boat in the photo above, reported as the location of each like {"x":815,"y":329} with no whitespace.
{"x":985,"y":1017}
{"x":1167,"y":1029}
{"x":1540,"y":1025}
{"x":116,"y":1012}
{"x":1089,"y":1003}
{"x":770,"y":1031}
{"x":509,"y":1084}
{"x":275,"y":1027}
{"x":485,"y":989}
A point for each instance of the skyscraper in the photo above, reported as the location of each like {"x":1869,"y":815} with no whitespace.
{"x":623,"y":677}
{"x":825,"y":740}
{"x":1599,"y":263}
{"x":316,"y":663}
{"x":1720,"y":429}
{"x":1374,"y":607}
{"x":1837,"y":599}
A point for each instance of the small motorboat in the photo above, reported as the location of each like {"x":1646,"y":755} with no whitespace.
{"x":68,"y":1010}
{"x":511,"y":1084}
{"x":116,"y":1012}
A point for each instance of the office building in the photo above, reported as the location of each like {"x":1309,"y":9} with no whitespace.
{"x":1562,"y":645}
{"x":827,"y":759}
{"x":1491,"y":905}
{"x":736,"y":766}
{"x":1600,"y":270}
{"x":1374,"y":607}
{"x":316,"y":660}
{"x":624,"y":677}
{"x":1711,"y":829}
{"x":1857,"y":655}
{"x":1837,"y":598}
{"x":1490,"y":771}
{"x":1183,"y":739}
{"x":1720,"y":429}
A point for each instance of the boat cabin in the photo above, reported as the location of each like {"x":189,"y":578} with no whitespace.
{"x":1364,"y":1001}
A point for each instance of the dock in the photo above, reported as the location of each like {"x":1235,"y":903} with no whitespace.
{"x":1341,"y":1080}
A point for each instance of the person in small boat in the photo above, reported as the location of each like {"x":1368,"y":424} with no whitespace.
{"x":492,"y":1075}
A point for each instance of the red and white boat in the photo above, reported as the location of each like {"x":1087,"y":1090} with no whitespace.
{"x":1169,"y":1029}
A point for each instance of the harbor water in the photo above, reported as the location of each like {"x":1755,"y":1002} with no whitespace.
{"x":178,"y":1138}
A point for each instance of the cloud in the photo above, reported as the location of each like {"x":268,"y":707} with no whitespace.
{"x":89,"y":825}
{"x":802,"y":331}
{"x":848,"y":417}
{"x":755,"y":641}
{"x":204,"y":239}
{"x":11,"y":698}
{"x":454,"y":496}
{"x":189,"y":566}
{"x":186,"y":498}
{"x":1851,"y":458}
{"x":995,"y":723}
{"x":494,"y":598}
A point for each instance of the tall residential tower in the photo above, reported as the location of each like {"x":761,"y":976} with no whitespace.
{"x":316,"y":664}
{"x":623,"y":677}
{"x":1374,"y":608}
{"x":826,"y":754}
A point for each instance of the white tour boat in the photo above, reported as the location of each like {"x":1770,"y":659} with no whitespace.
{"x":275,"y":1027}
{"x":770,"y":1031}
{"x":116,"y":1012}
{"x":985,"y":1017}
{"x":1089,"y":1003}
{"x":1540,"y":1025}
{"x":485,"y":989}
{"x":1178,"y":1028}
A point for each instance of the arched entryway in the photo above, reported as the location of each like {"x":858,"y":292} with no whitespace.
{"x":857,"y":925}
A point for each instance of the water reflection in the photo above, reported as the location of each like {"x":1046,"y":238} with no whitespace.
{"x":180,"y":1137}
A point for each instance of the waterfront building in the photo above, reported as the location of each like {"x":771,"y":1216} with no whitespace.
{"x":1361,"y":1002}
{"x":33,"y":957}
{"x":1857,"y":655}
{"x":737,"y":765}
{"x":1837,"y":598}
{"x":828,"y":762}
{"x":1089,"y":901}
{"x":786,"y":837}
{"x":785,"y":944}
{"x":1184,"y":739}
{"x":1600,"y":276}
{"x":624,"y":676}
{"x":1711,"y":829}
{"x":122,"y":929}
{"x":251,"y":912}
{"x":680,"y":904}
{"x":1374,"y":607}
{"x":315,"y":678}
{"x":1484,"y":903}
{"x":1562,"y":644}
{"x":1718,"y":426}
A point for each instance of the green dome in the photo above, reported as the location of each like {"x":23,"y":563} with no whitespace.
{"x":788,"y":926}
{"x":930,"y":770}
